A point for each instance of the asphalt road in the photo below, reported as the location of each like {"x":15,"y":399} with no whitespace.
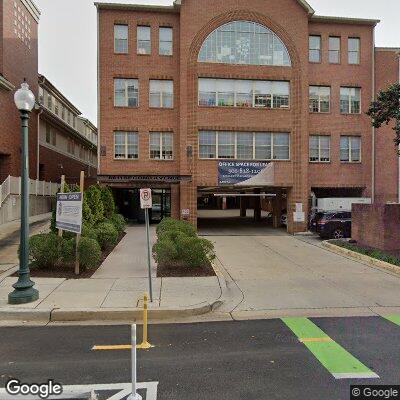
{"x":224,"y":360}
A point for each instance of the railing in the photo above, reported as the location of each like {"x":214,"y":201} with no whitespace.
{"x":12,"y":185}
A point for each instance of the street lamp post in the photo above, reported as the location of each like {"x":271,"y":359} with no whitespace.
{"x":24,"y":291}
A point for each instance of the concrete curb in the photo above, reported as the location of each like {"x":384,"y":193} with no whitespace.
{"x":361,"y":257}
{"x":97,"y":314}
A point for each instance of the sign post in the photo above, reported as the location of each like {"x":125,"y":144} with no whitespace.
{"x":146,"y":203}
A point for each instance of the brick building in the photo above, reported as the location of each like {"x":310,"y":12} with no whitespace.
{"x":259,"y":97}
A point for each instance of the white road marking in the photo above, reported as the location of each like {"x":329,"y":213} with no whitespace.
{"x":356,"y":375}
{"x":69,"y":391}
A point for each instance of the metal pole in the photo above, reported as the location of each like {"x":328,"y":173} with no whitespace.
{"x":134,"y":395}
{"x":24,"y":291}
{"x":146,"y":214}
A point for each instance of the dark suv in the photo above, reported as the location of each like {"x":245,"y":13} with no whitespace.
{"x":332,"y":224}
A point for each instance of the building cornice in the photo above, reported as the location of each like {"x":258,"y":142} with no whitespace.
{"x":390,"y":49}
{"x":5,"y":84}
{"x":137,"y":7}
{"x":344,"y":20}
{"x":32,"y":8}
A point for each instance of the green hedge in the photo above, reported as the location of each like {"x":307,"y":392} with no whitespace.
{"x":179,"y":246}
{"x":45,"y":249}
{"x":118,"y":221}
{"x":107,"y":235}
{"x":89,"y":252}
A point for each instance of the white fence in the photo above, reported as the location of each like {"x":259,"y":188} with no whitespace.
{"x":12,"y":185}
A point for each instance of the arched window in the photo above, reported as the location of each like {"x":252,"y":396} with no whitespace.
{"x":244,"y":42}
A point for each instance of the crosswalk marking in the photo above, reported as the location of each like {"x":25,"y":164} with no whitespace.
{"x":393,"y":318}
{"x":338,"y":361}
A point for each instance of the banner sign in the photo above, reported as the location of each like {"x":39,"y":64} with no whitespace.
{"x":69,"y":212}
{"x":235,"y":172}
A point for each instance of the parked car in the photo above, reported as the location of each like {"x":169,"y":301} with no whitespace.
{"x":332,"y":224}
{"x":284,"y":219}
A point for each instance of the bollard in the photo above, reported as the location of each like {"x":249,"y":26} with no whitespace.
{"x":134,"y":395}
{"x":145,"y":344}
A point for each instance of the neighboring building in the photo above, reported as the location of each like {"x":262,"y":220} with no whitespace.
{"x":67,"y":141}
{"x":189,"y":92}
{"x":18,"y":61}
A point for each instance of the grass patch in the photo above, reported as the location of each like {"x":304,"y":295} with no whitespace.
{"x":371,"y":252}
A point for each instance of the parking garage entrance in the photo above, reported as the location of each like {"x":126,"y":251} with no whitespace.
{"x":251,"y":210}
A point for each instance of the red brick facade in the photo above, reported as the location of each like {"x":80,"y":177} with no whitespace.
{"x":192,"y":21}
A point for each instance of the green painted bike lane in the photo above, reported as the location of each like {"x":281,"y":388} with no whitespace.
{"x":338,"y":361}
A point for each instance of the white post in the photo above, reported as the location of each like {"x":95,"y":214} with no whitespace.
{"x":134,"y":395}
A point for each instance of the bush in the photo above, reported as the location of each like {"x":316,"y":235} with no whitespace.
{"x":89,"y":232}
{"x":107,"y":200}
{"x":67,"y":250}
{"x":107,"y":235}
{"x":171,"y":224}
{"x":93,"y":198}
{"x":89,"y":252}
{"x":44,"y":249}
{"x":118,"y":221}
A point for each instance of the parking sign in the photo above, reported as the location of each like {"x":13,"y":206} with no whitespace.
{"x":145,"y":198}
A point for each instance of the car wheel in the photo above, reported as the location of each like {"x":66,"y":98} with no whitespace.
{"x":338,"y":234}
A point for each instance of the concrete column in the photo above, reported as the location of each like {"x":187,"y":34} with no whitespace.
{"x":243,"y":204}
{"x":257,"y":206}
{"x":277,"y":209}
{"x":294,"y":227}
{"x":175,"y":202}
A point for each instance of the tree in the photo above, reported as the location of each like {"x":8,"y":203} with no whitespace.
{"x":386,"y":109}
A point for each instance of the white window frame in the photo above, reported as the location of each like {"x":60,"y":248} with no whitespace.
{"x":350,"y":109}
{"x":315,"y":49}
{"x":348,"y":138}
{"x":319,"y":99}
{"x":115,"y":39}
{"x":126,"y":105}
{"x":161,"y":147}
{"x":319,"y":149}
{"x":126,"y":145}
{"x":138,"y":40}
{"x":336,"y":51}
{"x":165,"y":41}
{"x":254,"y":83}
{"x":235,"y":157}
{"x":161,"y":93}
{"x":358,"y":52}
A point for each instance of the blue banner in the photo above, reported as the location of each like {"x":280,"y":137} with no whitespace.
{"x":235,"y":172}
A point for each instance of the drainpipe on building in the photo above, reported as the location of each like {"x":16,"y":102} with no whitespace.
{"x":398,"y":122}
{"x":38,"y":144}
{"x":373,"y":128}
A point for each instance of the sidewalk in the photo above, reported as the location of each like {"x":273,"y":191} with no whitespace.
{"x":9,"y":239}
{"x":115,"y":291}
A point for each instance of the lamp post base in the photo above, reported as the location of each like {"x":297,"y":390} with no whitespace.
{"x":23,"y":296}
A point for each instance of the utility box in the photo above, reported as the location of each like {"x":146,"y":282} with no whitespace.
{"x":340,"y":203}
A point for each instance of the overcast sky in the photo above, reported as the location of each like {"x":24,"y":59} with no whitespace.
{"x":68,"y":36}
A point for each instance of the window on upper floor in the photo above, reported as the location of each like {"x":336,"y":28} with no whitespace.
{"x":161,"y":145}
{"x":63,"y":112}
{"x":334,"y":50}
{"x":41,"y":95}
{"x":350,"y":100}
{"x":126,"y":145}
{"x":244,"y":42}
{"x":320,"y":148}
{"x":350,"y":149}
{"x":161,"y":93}
{"x":314,"y":48}
{"x":354,"y":50}
{"x":143,"y":40}
{"x":243,"y":93}
{"x":244,"y":145}
{"x":49,"y":101}
{"x":320,"y":99}
{"x":126,"y":92}
{"x":56,"y":106}
{"x":165,"y":45}
{"x":121,"y":39}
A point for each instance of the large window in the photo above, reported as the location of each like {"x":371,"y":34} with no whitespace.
{"x":314,"y":47}
{"x":126,"y":92}
{"x":121,"y":39}
{"x":320,"y":148}
{"x":244,"y":42}
{"x":320,"y":99}
{"x":350,"y":100}
{"x":165,"y":41}
{"x":143,"y":40}
{"x":161,"y":145}
{"x":51,"y":135}
{"x":354,"y":50}
{"x":350,"y":149}
{"x":161,"y":94}
{"x":126,"y":145}
{"x":334,"y":50}
{"x":244,"y":145}
{"x":243,"y":93}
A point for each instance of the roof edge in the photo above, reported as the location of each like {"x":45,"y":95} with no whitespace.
{"x":394,"y":49}
{"x":345,"y":20}
{"x":32,"y":8}
{"x":6,"y":84}
{"x":136,"y":7}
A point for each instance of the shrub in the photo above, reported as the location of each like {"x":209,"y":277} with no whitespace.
{"x":107,"y":200}
{"x":171,"y":224}
{"x":118,"y":221}
{"x":89,"y":232}
{"x":44,"y":249}
{"x":67,"y":250}
{"x":89,"y":252}
{"x":107,"y":235}
{"x":94,"y":202}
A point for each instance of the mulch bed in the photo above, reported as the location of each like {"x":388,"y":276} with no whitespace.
{"x":181,"y":272}
{"x":68,"y":271}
